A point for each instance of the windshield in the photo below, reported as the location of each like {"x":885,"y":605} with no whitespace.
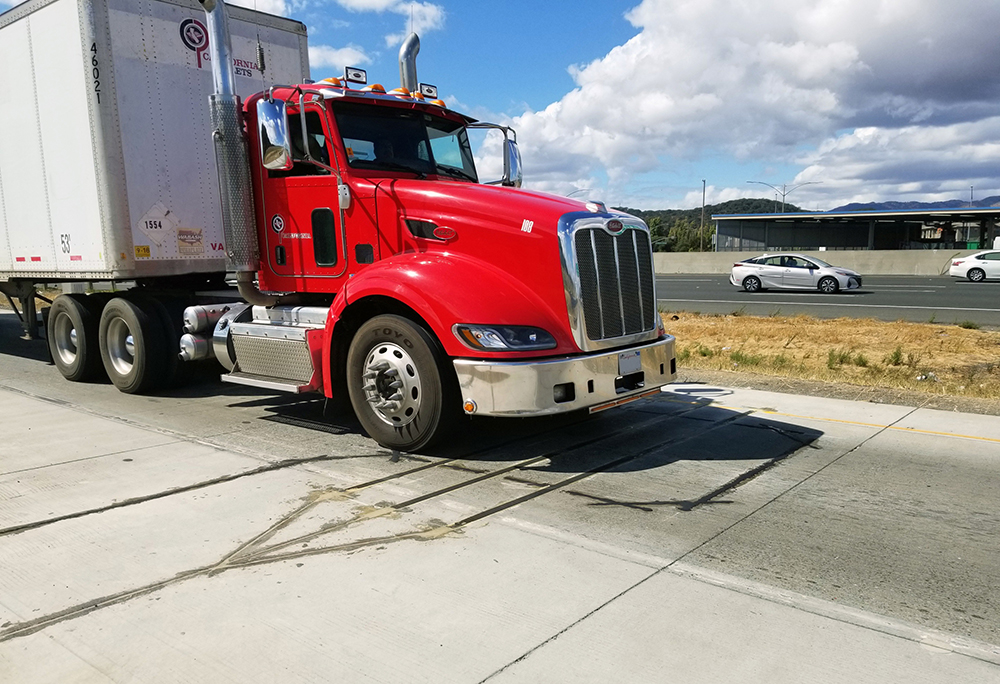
{"x":397,"y":139}
{"x":822,"y":264}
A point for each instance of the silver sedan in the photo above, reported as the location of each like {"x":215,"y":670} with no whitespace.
{"x":792,"y":272}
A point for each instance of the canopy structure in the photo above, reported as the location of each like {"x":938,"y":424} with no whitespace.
{"x":959,"y":228}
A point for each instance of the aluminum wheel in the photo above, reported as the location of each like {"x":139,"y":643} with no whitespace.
{"x":392,"y":384}
{"x":828,"y":285}
{"x":64,"y":338}
{"x":121,"y":346}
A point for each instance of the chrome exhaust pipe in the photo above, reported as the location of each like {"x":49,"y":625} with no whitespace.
{"x":408,"y":62}
{"x":232,"y":159}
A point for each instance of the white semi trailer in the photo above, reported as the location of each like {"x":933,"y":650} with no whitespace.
{"x":107,"y":172}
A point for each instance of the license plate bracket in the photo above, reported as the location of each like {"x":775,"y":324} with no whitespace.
{"x":629,"y":362}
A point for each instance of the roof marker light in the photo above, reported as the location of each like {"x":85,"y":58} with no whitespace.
{"x":334,"y":81}
{"x":439,"y":103}
{"x":400,"y":92}
{"x":374,"y":88}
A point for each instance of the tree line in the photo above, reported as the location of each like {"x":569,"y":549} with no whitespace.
{"x":679,"y":230}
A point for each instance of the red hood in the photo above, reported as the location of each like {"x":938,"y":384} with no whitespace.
{"x":508,"y":231}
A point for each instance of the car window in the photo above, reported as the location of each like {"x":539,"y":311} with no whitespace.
{"x":991,"y":256}
{"x":795,"y":262}
{"x":773,"y":261}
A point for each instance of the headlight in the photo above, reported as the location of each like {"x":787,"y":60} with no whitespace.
{"x":504,"y":337}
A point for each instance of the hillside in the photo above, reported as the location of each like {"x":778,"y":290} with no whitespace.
{"x":917,"y":206}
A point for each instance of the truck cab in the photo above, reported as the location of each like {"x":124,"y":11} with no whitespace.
{"x":488,"y":297}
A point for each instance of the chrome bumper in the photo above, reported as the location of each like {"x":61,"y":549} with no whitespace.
{"x":535,"y":388}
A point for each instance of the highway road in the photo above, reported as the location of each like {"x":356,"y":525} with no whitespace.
{"x":939,"y":299}
{"x":235,"y":533}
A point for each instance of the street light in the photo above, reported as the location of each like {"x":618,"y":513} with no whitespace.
{"x":783,"y":192}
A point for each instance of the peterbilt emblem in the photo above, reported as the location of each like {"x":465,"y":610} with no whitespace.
{"x":614,"y":226}
{"x":277,"y":223}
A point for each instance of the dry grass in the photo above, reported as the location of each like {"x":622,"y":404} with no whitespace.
{"x":937,"y":359}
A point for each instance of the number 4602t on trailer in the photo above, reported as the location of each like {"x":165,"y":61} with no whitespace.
{"x":369,"y":260}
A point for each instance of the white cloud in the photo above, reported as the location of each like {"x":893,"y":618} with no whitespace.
{"x":326,"y":57}
{"x":421,"y":17}
{"x":279,"y":7}
{"x":765,"y":79}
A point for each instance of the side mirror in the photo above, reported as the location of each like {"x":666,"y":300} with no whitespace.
{"x":512,"y":174}
{"x":275,"y":146}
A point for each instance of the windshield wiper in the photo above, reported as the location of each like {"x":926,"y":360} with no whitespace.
{"x":454,"y":173}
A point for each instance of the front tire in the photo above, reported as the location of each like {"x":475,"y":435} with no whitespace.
{"x":751,"y":284}
{"x":976,"y":275}
{"x":132,"y":345}
{"x":400,"y":386}
{"x":72,"y":337}
{"x":829,"y":285}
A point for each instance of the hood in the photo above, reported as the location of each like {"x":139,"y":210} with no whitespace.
{"x":510,"y":231}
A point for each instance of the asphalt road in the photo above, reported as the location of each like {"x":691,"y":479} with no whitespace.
{"x":463,"y":563}
{"x":939,"y":299}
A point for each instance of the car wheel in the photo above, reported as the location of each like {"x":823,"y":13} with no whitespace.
{"x":72,"y":334}
{"x":132,"y":345}
{"x":751,"y":284}
{"x":400,"y":385}
{"x":828,"y":285}
{"x":976,"y":275}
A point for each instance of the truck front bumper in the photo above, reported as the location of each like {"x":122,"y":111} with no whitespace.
{"x":535,"y":388}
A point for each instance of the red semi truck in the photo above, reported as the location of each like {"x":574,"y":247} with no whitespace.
{"x":369,"y":260}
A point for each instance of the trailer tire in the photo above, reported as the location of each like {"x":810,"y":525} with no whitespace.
{"x":72,"y":337}
{"x":391,"y":349}
{"x":132,"y":345}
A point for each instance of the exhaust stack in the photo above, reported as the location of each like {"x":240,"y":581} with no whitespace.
{"x":408,"y":62}
{"x":231,"y":157}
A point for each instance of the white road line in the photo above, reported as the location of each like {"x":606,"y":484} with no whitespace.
{"x":856,"y":306}
{"x":937,"y":287}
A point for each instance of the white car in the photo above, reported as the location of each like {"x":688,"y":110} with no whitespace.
{"x":792,"y":272}
{"x":977,"y":267}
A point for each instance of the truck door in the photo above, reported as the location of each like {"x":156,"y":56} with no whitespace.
{"x":305,"y":233}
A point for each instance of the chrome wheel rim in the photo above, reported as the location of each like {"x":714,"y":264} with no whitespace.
{"x":828,"y":286}
{"x":391,"y":384}
{"x":976,"y":276}
{"x":65,"y":338}
{"x":121,"y":346}
{"x":752,"y":285}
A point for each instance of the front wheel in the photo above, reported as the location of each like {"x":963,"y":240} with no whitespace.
{"x":828,"y":285}
{"x":977,"y":275}
{"x":400,"y":386}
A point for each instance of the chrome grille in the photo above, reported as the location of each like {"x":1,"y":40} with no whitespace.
{"x":616,"y":282}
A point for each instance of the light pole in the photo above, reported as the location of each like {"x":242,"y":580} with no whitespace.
{"x":783,"y":192}
{"x":702,"y":233}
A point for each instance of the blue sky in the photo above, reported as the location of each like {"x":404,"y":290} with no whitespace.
{"x":635,"y":102}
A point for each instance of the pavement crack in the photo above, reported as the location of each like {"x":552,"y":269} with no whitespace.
{"x":271,"y":467}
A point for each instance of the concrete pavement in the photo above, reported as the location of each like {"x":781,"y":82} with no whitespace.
{"x":135,"y":553}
